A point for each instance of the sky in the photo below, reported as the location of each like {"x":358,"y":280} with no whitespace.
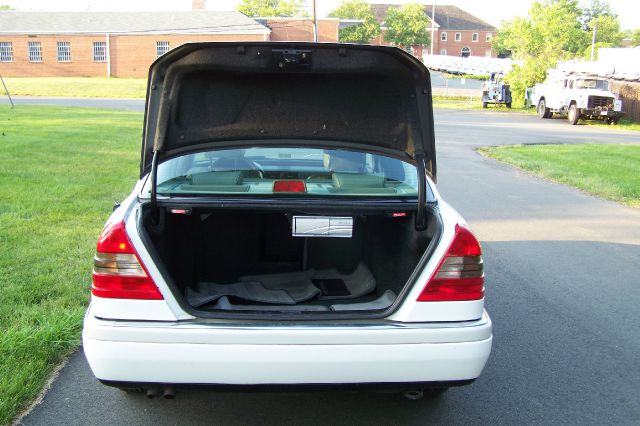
{"x":491,"y":11}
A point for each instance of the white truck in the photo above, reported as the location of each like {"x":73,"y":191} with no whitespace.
{"x":576,"y":96}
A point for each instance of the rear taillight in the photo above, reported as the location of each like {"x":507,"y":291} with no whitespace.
{"x":460,"y":274}
{"x":117,"y":271}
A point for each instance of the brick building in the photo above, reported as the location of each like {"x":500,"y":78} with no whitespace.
{"x":124,"y":44}
{"x":296,"y":29}
{"x":457,"y":33}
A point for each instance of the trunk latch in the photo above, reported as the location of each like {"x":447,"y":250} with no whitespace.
{"x":291,"y":58}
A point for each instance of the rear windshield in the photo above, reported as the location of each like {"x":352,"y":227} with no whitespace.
{"x":295,"y":171}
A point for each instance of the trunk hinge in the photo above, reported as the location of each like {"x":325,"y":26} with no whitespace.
{"x":421,"y":212}
{"x":154,"y":193}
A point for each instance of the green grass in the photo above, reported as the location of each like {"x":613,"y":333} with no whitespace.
{"x":463,"y":102}
{"x":61,"y":169}
{"x":481,"y":77}
{"x":87,"y":87}
{"x":623,"y":124}
{"x":609,"y":171}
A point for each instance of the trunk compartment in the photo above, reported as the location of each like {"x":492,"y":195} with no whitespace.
{"x":248,"y":261}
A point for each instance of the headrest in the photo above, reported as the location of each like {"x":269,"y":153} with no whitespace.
{"x":344,"y":161}
{"x":216,"y":178}
{"x":355,"y":180}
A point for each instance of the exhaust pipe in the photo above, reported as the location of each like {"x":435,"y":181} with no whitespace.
{"x":414,"y":394}
{"x":169,"y":392}
{"x":152,"y":392}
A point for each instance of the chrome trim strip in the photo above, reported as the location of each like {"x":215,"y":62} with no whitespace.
{"x":210,"y":325}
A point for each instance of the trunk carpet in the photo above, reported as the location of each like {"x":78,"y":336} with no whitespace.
{"x":356,"y":284}
{"x":287,"y":288}
{"x":297,"y":284}
{"x":382,"y":302}
{"x":250,"y":290}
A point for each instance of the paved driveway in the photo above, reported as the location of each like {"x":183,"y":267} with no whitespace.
{"x":563,"y":289}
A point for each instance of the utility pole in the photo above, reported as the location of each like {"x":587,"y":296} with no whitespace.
{"x":108,"y":53}
{"x":7,"y":92}
{"x":433,"y":19}
{"x":593,"y":40}
{"x":315,"y":22}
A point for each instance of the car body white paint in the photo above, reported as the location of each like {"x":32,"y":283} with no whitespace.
{"x":263,"y":354}
{"x":156,"y":341}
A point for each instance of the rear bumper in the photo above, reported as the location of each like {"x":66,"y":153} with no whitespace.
{"x":225,"y":355}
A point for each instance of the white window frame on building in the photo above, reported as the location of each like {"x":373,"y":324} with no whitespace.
{"x":458,"y":37}
{"x":34,"y":51}
{"x":99,"y":51}
{"x":488,"y":37}
{"x":443,"y":52}
{"x":474,"y":37}
{"x":64,"y":51}
{"x":465,"y":50}
{"x":443,"y":36}
{"x":6,"y":51}
{"x":162,"y":47}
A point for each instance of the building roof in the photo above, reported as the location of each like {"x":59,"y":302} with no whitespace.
{"x":447,"y":17}
{"x":184,"y":22}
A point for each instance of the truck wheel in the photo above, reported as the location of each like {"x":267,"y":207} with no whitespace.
{"x":573,"y":114}
{"x":484,"y":105}
{"x":508,"y":104}
{"x":543,"y":111}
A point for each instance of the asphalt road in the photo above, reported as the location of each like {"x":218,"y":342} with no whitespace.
{"x":563,"y":290}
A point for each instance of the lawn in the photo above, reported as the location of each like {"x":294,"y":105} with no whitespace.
{"x":481,"y":77}
{"x":623,"y":124}
{"x":609,"y":171}
{"x":61,"y":170}
{"x":88,"y":87}
{"x":463,"y":102}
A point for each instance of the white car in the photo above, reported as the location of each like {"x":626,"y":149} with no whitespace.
{"x":286,"y":230}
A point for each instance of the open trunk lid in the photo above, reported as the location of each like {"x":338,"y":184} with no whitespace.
{"x":210,"y":95}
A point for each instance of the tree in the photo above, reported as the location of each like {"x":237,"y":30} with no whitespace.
{"x":552,"y":31}
{"x":595,"y":9}
{"x":552,"y":27}
{"x":407,"y":25}
{"x":271,"y":8}
{"x":357,"y":9}
{"x":522,"y":76}
{"x":635,"y":37}
{"x":518,"y":37}
{"x":607,"y":29}
{"x":587,"y":52}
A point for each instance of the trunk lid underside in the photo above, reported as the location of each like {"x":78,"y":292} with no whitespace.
{"x":217,"y":95}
